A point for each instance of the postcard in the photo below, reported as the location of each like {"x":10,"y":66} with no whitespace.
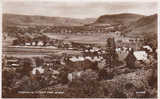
{"x":79,"y":49}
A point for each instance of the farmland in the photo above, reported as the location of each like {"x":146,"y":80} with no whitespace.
{"x":9,"y":49}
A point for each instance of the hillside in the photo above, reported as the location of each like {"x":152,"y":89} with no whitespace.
{"x":13,"y":19}
{"x":137,"y":25}
{"x":123,"y":18}
{"x":146,"y":26}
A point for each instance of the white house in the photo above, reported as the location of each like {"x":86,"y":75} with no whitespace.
{"x":75,"y":59}
{"x":148,"y":48}
{"x":27,"y":44}
{"x":40,"y":43}
{"x":33,"y":43}
{"x":140,"y":55}
{"x":74,"y":75}
{"x":40,"y":69}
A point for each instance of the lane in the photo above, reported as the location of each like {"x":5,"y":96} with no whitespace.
{"x":35,"y":51}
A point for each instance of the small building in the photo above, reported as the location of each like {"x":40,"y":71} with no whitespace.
{"x":38,"y":69}
{"x":28,"y":44}
{"x":40,"y":43}
{"x":134,"y":42}
{"x":34,"y":43}
{"x":140,"y":55}
{"x":13,"y":62}
{"x":51,"y":61}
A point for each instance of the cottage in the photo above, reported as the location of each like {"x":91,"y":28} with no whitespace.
{"x":140,"y":55}
{"x":74,"y":75}
{"x":76,"y":59}
{"x":28,"y":44}
{"x":118,"y":33}
{"x":67,"y":45}
{"x":37,"y":69}
{"x":51,"y":62}
{"x":148,"y":48}
{"x":122,"y":53}
{"x":40,"y":43}
{"x":101,"y":64}
{"x":84,"y":62}
{"x":55,"y":72}
{"x":33,"y":43}
{"x":13,"y":62}
{"x":94,"y":59}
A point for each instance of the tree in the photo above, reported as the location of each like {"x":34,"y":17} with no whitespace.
{"x":27,"y":38}
{"x":130,"y":59}
{"x":36,"y":39}
{"x":16,"y":42}
{"x":39,"y":61}
{"x":26,"y":64}
{"x":87,"y":86}
{"x":45,"y":39}
{"x":111,"y":56}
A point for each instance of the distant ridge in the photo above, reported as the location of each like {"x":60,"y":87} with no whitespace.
{"x":122,"y":18}
{"x":14,"y":19}
{"x":137,"y":25}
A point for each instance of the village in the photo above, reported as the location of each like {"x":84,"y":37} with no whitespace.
{"x":120,"y":55}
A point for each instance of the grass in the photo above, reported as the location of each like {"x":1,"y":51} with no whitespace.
{"x":98,"y":39}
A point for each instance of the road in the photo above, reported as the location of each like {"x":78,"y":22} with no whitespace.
{"x":35,"y":51}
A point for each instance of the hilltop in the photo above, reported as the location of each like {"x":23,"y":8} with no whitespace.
{"x":123,"y":18}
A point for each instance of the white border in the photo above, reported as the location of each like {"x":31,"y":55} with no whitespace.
{"x":158,"y":11}
{"x":158,"y":50}
{"x":84,"y":0}
{"x":1,"y":48}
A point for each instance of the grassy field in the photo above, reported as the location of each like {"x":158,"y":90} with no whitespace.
{"x":99,"y":39}
{"x":31,"y":52}
{"x":9,"y":50}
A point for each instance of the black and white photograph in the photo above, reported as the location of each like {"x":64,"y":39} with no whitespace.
{"x":79,"y":49}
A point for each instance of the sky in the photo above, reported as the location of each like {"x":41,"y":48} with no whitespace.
{"x":79,"y":8}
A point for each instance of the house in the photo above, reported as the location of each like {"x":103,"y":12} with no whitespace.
{"x":34,"y":43}
{"x":67,"y":44}
{"x":40,"y":43}
{"x":118,"y":33}
{"x":122,"y":53}
{"x":74,"y":75}
{"x":94,"y":59}
{"x":102,"y":64}
{"x":140,"y":55}
{"x":147,"y":47}
{"x":38,"y":69}
{"x":28,"y":44}
{"x":130,"y":41}
{"x":13,"y":62}
{"x":51,"y":61}
{"x":84,"y":62}
{"x":76,"y":59}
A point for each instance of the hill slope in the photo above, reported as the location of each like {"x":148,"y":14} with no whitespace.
{"x":123,"y":18}
{"x":13,"y":19}
{"x":146,"y":26}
